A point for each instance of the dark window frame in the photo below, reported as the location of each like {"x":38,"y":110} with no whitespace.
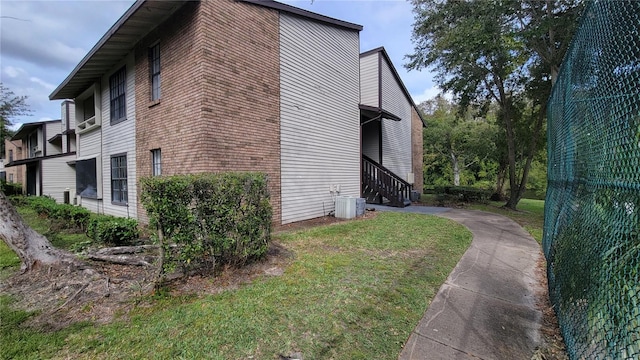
{"x":10,"y":155}
{"x":88,"y":103}
{"x":155,"y":69}
{"x":119,"y":183}
{"x":118,"y":96}
{"x":156,"y":162}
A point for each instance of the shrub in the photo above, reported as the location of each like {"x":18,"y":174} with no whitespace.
{"x":223,"y":217}
{"x":75,"y":215}
{"x":10,"y":189}
{"x":112,"y":230}
{"x":70,"y":215}
{"x":43,"y":205}
{"x":464,"y":194}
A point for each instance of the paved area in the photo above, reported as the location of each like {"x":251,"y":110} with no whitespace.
{"x":486,"y":309}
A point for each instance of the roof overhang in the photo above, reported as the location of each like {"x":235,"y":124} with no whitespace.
{"x":38,"y":158}
{"x":26,"y":129}
{"x":375,"y":113}
{"x":142,"y":17}
{"x":305,"y":14}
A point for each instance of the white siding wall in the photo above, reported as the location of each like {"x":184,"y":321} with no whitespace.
{"x":396,"y":135}
{"x":369,"y":80}
{"x":119,"y":139}
{"x":51,"y":129}
{"x":320,"y":131}
{"x":57,"y":176}
{"x":89,"y":144}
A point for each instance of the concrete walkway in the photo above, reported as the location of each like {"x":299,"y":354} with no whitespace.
{"x":486,"y":309}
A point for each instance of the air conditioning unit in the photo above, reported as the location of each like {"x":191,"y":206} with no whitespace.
{"x":345,"y":207}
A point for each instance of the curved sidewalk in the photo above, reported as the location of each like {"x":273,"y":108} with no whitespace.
{"x":486,"y":309}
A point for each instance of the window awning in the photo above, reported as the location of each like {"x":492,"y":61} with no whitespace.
{"x":369,"y":113}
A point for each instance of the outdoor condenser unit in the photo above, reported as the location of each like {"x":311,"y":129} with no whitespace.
{"x":345,"y":207}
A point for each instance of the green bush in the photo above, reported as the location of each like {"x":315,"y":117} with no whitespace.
{"x":112,"y":230}
{"x":43,"y":205}
{"x":463,"y":194}
{"x":71,"y":216}
{"x":10,"y":189}
{"x":213,"y":218}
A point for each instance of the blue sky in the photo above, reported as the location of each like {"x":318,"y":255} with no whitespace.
{"x":42,"y":41}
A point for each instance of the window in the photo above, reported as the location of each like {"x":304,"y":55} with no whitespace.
{"x":10,"y":155}
{"x":86,"y":178}
{"x":117,"y":91}
{"x":154,"y":71}
{"x":119,"y":179}
{"x":11,"y":178}
{"x":88,"y":108}
{"x":156,"y":162}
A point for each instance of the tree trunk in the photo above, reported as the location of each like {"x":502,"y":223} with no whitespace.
{"x":530,"y":153}
{"x":32,"y":248}
{"x":456,"y":170}
{"x":511,"y":153}
{"x":500,"y":178}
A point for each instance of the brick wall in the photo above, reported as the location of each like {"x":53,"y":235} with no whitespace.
{"x":219,"y":106}
{"x":417,"y":150}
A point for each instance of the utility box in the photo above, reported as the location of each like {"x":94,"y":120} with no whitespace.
{"x":345,"y":207}
{"x":360,"y":206}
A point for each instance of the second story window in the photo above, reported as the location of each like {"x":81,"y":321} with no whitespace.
{"x":10,"y":155}
{"x":88,"y":108}
{"x":154,"y":71}
{"x":117,"y":92}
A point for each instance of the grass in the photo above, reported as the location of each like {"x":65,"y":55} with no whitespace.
{"x":354,"y":290}
{"x":530,"y":215}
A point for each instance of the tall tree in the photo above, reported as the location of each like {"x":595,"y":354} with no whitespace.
{"x":486,"y":51}
{"x":11,"y":106}
{"x":463,"y":141}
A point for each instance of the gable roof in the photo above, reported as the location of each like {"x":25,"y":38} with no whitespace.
{"x":381,"y":50}
{"x":142,"y":17}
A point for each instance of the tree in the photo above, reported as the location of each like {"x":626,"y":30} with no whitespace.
{"x":10,"y":106}
{"x":496,"y":52}
{"x":462,"y":140}
{"x":32,"y":248}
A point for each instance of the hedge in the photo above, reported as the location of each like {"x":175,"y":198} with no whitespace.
{"x":100,"y":228}
{"x":113,"y":230}
{"x":10,"y":189}
{"x":212,"y":218}
{"x":462,"y":193}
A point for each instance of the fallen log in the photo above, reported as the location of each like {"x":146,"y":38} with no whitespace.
{"x":119,"y":250}
{"x":119,"y":259}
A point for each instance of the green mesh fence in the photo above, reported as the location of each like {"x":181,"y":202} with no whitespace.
{"x":592,"y":213}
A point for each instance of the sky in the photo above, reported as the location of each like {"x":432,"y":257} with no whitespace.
{"x":42,"y":41}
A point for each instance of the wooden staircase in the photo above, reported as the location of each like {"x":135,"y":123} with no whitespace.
{"x":379,"y":184}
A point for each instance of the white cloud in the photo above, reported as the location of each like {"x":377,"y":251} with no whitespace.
{"x":42,"y":83}
{"x":13,"y":72}
{"x":429,"y":93}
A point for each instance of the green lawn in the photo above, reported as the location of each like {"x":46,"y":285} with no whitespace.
{"x":355,"y":290}
{"x":530,"y":215}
